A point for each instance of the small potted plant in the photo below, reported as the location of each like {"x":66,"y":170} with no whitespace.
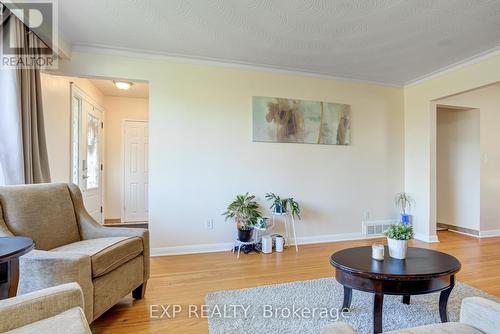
{"x":403,"y":202}
{"x":283,"y":205}
{"x":278,"y":205}
{"x":397,"y":239}
{"x":244,"y":210}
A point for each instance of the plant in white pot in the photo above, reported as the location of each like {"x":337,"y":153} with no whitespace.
{"x":245,"y":212}
{"x":397,"y":239}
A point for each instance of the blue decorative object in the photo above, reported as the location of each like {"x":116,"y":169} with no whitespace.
{"x":405,"y":218}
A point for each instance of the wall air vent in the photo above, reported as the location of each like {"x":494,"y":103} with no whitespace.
{"x":373,"y":228}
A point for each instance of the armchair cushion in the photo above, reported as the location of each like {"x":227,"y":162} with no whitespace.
{"x":106,"y":254}
{"x":39,"y":210}
{"x":481,"y":313}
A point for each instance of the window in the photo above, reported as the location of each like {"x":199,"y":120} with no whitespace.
{"x":93,"y":164}
{"x":76,"y":114}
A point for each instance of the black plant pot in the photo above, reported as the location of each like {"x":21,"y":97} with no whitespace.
{"x":244,"y":235}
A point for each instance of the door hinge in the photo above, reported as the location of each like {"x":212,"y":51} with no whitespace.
{"x":102,"y":125}
{"x":102,"y":167}
{"x":101,"y":209}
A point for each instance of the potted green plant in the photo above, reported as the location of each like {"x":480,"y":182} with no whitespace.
{"x":278,"y":205}
{"x":244,"y":210}
{"x":397,"y":239}
{"x":283,"y":205}
{"x":403,"y":202}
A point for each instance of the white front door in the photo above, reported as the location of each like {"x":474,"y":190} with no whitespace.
{"x":91,"y":181}
{"x":136,"y":174}
{"x":86,"y":150}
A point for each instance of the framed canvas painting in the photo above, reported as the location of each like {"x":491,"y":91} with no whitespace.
{"x":283,"y":120}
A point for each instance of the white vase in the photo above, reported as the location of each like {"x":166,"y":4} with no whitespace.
{"x":397,"y":248}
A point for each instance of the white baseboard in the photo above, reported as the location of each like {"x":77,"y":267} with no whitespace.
{"x":226,"y":246}
{"x":318,"y":239}
{"x":489,"y":234}
{"x":426,"y":238}
{"x":191,"y":249}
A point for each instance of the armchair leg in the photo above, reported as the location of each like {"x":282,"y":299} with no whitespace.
{"x":140,"y":291}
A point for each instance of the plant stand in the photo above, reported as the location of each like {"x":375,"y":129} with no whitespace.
{"x":289,"y":222}
{"x":238,"y":244}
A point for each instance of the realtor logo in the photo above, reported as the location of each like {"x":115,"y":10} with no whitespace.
{"x":31,"y":45}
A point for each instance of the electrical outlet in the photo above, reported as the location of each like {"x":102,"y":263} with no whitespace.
{"x":209,"y":224}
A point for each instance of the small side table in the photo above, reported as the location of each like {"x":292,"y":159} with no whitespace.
{"x":289,"y":222}
{"x":11,"y":248}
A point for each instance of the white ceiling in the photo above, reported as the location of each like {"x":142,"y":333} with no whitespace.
{"x":387,"y":41}
{"x":107,"y":87}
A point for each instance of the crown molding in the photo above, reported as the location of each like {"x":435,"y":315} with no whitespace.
{"x":184,"y":59}
{"x":455,"y":66}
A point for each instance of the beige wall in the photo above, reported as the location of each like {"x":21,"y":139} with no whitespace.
{"x":56,"y":94}
{"x":202,"y":153}
{"x":420,"y":133}
{"x":487,"y":100}
{"x":458,"y":166}
{"x":118,"y":109}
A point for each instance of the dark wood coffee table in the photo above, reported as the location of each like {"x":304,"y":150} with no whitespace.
{"x":424,"y":271}
{"x":11,"y":248}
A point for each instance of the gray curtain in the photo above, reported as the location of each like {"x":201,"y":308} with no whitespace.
{"x":23,"y":148}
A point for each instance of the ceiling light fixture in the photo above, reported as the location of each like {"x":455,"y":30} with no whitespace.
{"x":123,"y":84}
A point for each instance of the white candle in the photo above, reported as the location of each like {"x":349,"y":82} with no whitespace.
{"x":378,"y":252}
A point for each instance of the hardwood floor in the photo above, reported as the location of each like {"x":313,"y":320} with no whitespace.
{"x":186,"y":279}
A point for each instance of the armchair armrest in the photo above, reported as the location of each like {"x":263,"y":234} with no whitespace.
{"x":35,"y":306}
{"x":338,"y":328}
{"x":480,"y":313}
{"x":42,"y":269}
{"x":90,"y":229}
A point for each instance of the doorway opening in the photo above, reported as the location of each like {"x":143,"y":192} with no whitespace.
{"x":100,"y":141}
{"x":458,"y":169}
{"x":466,"y":167}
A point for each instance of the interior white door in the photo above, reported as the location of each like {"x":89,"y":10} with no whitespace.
{"x":91,"y":169}
{"x":136,"y":173}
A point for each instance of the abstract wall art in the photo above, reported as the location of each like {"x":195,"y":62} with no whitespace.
{"x":283,"y":120}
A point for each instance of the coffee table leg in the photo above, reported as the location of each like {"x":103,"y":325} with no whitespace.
{"x":443,"y":300}
{"x":406,"y":300}
{"x":378,"y":306}
{"x":347,"y":299}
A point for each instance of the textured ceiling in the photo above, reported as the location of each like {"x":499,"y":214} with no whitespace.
{"x":388,"y":41}
{"x":107,"y":87}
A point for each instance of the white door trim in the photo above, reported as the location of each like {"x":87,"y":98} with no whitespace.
{"x":122,"y":190}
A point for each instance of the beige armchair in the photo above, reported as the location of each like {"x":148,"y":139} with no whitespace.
{"x":477,"y":316}
{"x":70,"y":246}
{"x":55,"y":310}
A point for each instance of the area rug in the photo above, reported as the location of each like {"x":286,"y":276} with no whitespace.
{"x":307,"y":306}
